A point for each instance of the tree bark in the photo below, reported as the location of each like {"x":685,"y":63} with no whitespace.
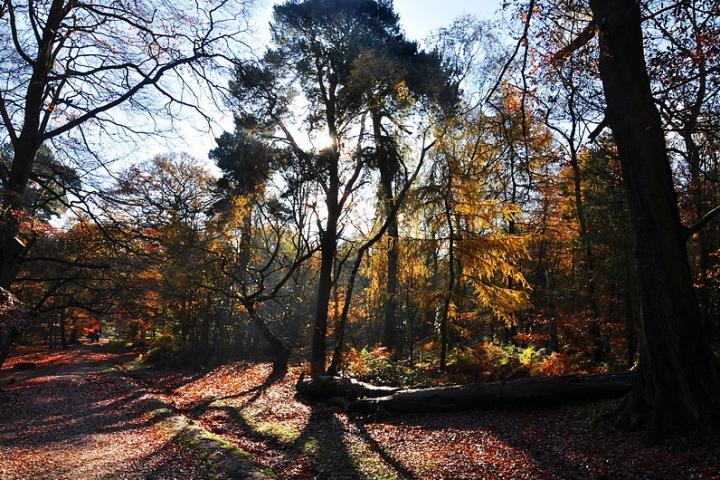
{"x":324,"y":386}
{"x":387,"y":176}
{"x":444,"y":322}
{"x":63,"y":339}
{"x":6,"y":343}
{"x":678,"y":381}
{"x":630,"y":322}
{"x":26,"y":146}
{"x":594,"y":330}
{"x":546,"y":390}
{"x":327,"y":260}
{"x":279,"y":351}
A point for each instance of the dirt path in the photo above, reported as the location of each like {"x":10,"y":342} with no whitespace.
{"x":75,"y":417}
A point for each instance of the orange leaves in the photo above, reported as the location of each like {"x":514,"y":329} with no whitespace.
{"x":554,"y":365}
{"x":32,"y":226}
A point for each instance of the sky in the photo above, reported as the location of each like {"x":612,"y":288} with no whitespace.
{"x":419,"y":18}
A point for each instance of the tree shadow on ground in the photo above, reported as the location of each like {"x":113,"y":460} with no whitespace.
{"x":324,"y":441}
{"x":172,"y":460}
{"x":201,"y":406}
{"x":376,"y":447}
{"x":320,"y":442}
{"x":321,"y":446}
{"x":171,"y":380}
{"x":548,"y":442}
{"x":73,"y":403}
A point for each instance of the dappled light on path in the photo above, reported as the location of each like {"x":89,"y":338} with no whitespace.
{"x":82,"y":423}
{"x":301,"y":440}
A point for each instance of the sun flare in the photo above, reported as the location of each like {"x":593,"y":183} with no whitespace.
{"x":324,"y":140}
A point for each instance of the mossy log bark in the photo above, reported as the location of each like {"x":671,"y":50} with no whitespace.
{"x":548,"y":390}
{"x":324,"y":387}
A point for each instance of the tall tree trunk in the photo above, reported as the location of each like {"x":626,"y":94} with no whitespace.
{"x":63,"y":339}
{"x":327,"y":258}
{"x":244,"y":248}
{"x":588,"y":272}
{"x":280,"y":352}
{"x":427,"y":327}
{"x":697,"y":191}
{"x":25,"y":149}
{"x":6,"y":343}
{"x":390,"y":326}
{"x":444,"y":322}
{"x":678,"y":382}
{"x":630,"y":309}
{"x":388,"y":171}
{"x":697,"y":188}
{"x":11,"y":247}
{"x":26,"y":146}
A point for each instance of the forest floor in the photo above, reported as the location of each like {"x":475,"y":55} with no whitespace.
{"x":74,"y":416}
{"x":86,"y":413}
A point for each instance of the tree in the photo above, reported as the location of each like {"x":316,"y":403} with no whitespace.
{"x":66,"y":64}
{"x":569,"y":112}
{"x":247,"y":164}
{"x":678,"y":383}
{"x":319,"y":44}
{"x":482,"y":260}
{"x":160,"y":216}
{"x":391,"y":76}
{"x":685,"y":87}
{"x":11,"y":321}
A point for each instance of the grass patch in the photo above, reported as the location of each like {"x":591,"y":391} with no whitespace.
{"x":282,"y":433}
{"x":285,"y":434}
{"x":219,"y":442}
{"x":136,"y":365}
{"x":220,"y":456}
{"x":108,"y":367}
{"x":369,"y":462}
{"x":118,"y":346}
{"x":311,"y":446}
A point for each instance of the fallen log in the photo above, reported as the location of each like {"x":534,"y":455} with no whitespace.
{"x":325,"y":387}
{"x":545,"y":390}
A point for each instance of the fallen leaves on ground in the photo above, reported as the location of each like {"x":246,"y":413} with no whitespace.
{"x":94,"y":425}
{"x":72,"y":421}
{"x":314,"y":441}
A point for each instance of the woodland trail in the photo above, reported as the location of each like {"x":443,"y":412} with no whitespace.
{"x":76,"y":417}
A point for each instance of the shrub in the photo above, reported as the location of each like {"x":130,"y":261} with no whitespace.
{"x":554,"y":365}
{"x":164,"y":352}
{"x":490,"y":361}
{"x":377,"y":366}
{"x":135,"y":332}
{"x":487,"y":362}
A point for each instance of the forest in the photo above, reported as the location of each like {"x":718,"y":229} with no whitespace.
{"x":294,"y":240}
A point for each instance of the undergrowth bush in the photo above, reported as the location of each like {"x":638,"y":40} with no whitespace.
{"x":164,"y":351}
{"x":377,"y":366}
{"x":135,"y":331}
{"x":482,"y":363}
{"x":490,"y":361}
